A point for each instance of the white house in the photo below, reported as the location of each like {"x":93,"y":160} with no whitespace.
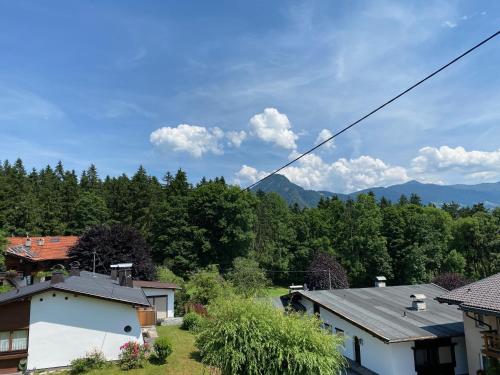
{"x":48,"y":324}
{"x":392,"y":330}
{"x":160,"y":295}
{"x":480,"y":304}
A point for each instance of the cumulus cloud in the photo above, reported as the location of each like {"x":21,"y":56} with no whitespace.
{"x":274,"y":127}
{"x":236,"y":137}
{"x":343,"y":175}
{"x":196,"y":140}
{"x":481,"y":164}
{"x":323,"y":136}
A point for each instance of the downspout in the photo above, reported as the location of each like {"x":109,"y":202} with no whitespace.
{"x":479,"y":321}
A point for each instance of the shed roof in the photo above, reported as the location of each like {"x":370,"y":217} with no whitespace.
{"x":97,"y":287}
{"x":41,"y":248}
{"x":387,"y":312}
{"x":480,"y":295}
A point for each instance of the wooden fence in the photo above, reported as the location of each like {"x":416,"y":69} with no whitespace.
{"x":147,"y":317}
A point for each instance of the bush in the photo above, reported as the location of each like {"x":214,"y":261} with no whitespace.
{"x":248,"y":337}
{"x":132,"y":356}
{"x":162,"y":349}
{"x":192,"y":322}
{"x":450,"y":281}
{"x":92,"y":360}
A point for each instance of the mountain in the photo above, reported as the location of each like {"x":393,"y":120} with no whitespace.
{"x":465,"y":195}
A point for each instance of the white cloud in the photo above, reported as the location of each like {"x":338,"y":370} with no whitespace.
{"x":323,"y":136}
{"x":196,"y":140}
{"x":248,"y":175}
{"x":236,"y":137}
{"x":24,"y":105}
{"x":450,"y":24}
{"x":479,"y":164}
{"x":343,"y":175}
{"x":273,"y":127}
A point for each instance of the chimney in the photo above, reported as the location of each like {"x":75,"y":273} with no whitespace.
{"x":75,"y":269}
{"x":125,"y":274}
{"x":380,"y":281}
{"x":418,"y":302}
{"x":28,"y":242}
{"x":114,"y":271}
{"x":41,"y":241}
{"x":57,"y":275}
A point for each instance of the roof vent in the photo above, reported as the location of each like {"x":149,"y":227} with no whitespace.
{"x":41,"y":241}
{"x":75,"y":268}
{"x":57,"y":274}
{"x":27,"y":243}
{"x":380,"y":281}
{"x":418,"y":302}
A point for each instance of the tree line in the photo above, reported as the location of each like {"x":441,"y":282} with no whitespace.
{"x":191,"y":227}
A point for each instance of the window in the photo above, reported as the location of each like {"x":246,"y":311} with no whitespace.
{"x":127,"y":329}
{"x":316,"y":308}
{"x":339,"y":331}
{"x":420,"y":357}
{"x":13,"y":340}
{"x":445,"y":354}
{"x":327,"y":326}
{"x":478,"y":318}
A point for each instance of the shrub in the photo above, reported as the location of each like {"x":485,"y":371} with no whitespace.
{"x":248,"y":337}
{"x":192,"y":322}
{"x":92,"y":360}
{"x":162,"y":349}
{"x":450,"y":281}
{"x":132,"y":355}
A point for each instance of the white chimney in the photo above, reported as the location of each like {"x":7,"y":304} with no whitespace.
{"x":41,"y":241}
{"x":28,"y":242}
{"x":418,"y":302}
{"x":380,"y":281}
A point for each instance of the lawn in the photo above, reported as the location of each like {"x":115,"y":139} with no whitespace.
{"x":182,"y":361}
{"x":276,"y":291}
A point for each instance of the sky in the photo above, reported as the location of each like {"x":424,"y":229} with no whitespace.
{"x":238,"y":88}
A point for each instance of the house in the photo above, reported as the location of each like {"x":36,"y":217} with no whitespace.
{"x":160,"y":295}
{"x":480,"y":306}
{"x":50,"y":323}
{"x":394,"y":330}
{"x":32,"y":256}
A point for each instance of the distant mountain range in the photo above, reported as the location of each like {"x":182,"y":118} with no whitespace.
{"x":465,"y":195}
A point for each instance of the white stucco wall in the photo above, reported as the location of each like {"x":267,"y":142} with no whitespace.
{"x":165,"y":306}
{"x":474,"y":341}
{"x":382,"y":358}
{"x":62,"y":330}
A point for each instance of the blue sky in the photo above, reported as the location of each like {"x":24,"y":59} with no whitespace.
{"x":237,"y":88}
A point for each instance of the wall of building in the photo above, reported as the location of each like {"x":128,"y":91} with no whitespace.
{"x":474,"y":341}
{"x":67,"y":326}
{"x":382,"y":358}
{"x":13,"y":316}
{"x":163,"y":301}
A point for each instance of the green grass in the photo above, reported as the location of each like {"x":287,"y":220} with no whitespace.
{"x":275,"y":291}
{"x":183,"y":360}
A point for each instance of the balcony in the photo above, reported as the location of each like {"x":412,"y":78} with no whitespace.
{"x":491,"y":344}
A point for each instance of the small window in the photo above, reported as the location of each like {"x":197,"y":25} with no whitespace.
{"x":127,"y":329}
{"x":420,"y":357}
{"x":316,"y":308}
{"x":327,"y":326}
{"x":339,"y":332}
{"x":479,"y":318}
{"x":445,"y":355}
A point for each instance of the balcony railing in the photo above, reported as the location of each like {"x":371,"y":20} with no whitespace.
{"x":491,"y":344}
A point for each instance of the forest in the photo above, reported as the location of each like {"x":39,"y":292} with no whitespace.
{"x":191,"y":227}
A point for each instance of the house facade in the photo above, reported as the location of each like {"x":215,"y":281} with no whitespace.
{"x":160,"y":295}
{"x":480,"y":306}
{"x":396,"y":330}
{"x":48,"y":324}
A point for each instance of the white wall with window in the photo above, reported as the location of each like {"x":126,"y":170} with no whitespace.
{"x":474,"y":339}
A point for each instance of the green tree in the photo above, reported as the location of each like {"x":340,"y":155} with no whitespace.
{"x":247,"y":277}
{"x":247,"y":337}
{"x":90,"y":210}
{"x":206,"y":285}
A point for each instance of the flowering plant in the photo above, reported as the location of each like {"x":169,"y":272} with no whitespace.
{"x":132,"y":355}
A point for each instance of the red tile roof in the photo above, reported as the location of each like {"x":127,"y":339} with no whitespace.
{"x":42,"y":248}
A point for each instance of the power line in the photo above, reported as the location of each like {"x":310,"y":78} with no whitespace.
{"x":376,"y":109}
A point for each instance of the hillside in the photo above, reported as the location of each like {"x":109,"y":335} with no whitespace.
{"x":465,"y":195}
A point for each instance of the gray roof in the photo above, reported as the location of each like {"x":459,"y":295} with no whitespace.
{"x":387,"y":314}
{"x":480,"y":295}
{"x":99,"y":286}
